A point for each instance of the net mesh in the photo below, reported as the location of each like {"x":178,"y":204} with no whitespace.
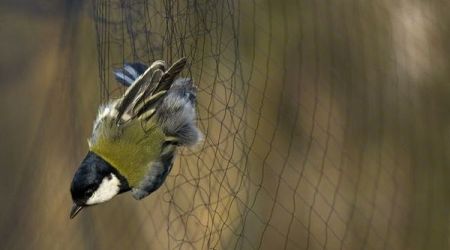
{"x":310,"y":132}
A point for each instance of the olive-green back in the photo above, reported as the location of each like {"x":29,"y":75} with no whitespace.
{"x":129,"y":147}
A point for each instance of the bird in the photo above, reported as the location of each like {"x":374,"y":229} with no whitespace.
{"x":135,"y":137}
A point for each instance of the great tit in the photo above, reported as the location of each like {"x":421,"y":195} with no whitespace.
{"x":135,"y":137}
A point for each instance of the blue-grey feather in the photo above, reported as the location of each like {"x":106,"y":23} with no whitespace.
{"x":122,"y":78}
{"x":177,"y":112}
{"x":129,"y":73}
{"x":159,"y":170}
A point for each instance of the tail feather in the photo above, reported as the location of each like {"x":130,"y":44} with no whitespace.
{"x":129,"y":73}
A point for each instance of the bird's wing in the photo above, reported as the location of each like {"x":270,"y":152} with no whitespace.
{"x":141,"y":98}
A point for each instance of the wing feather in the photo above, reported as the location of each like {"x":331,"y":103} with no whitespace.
{"x":148,"y":89}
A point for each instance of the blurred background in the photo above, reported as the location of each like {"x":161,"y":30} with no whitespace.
{"x":326,"y":123}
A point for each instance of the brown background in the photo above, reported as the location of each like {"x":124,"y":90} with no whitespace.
{"x":326,"y":124}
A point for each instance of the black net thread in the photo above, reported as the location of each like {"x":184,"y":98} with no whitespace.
{"x":307,"y":115}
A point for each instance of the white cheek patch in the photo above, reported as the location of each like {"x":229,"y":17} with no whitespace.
{"x":108,"y":188}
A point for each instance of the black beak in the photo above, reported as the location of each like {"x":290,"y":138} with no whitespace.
{"x":75,"y":210}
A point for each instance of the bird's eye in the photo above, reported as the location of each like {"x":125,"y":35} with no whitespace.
{"x":89,"y":191}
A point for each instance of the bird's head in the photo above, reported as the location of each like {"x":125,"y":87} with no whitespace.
{"x":95,"y":181}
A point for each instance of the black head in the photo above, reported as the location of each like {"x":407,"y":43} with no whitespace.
{"x":90,"y":176}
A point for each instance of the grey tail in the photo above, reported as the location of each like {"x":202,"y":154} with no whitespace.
{"x":129,"y":73}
